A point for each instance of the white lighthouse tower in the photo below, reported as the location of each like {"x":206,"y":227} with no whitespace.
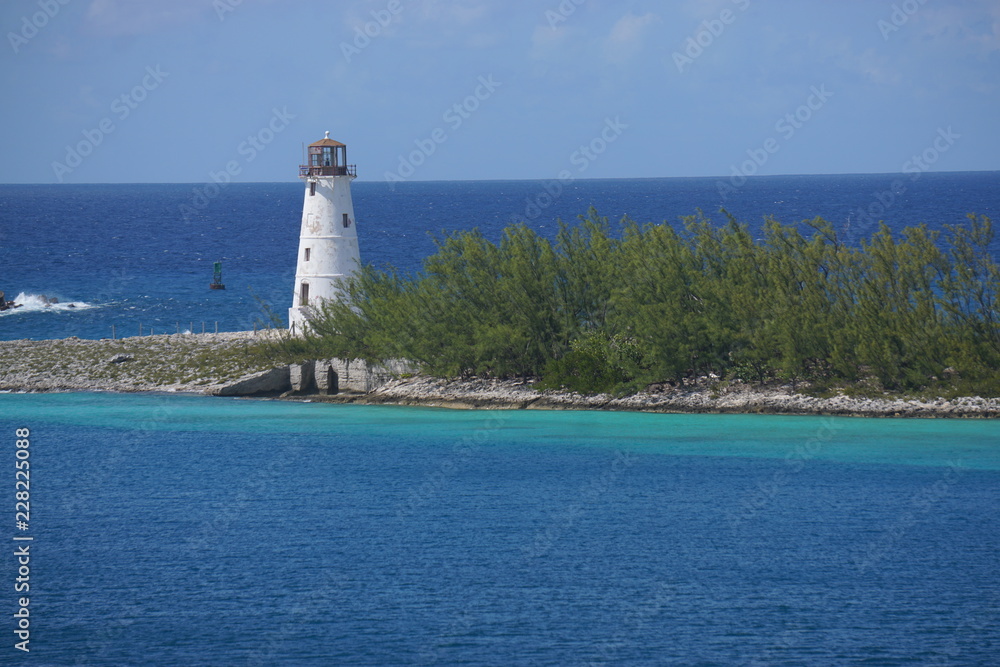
{"x":328,"y":240}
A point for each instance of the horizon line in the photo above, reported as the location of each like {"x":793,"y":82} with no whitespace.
{"x":515,"y":180}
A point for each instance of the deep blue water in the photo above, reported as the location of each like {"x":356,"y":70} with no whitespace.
{"x":131,"y":254}
{"x":172,"y":530}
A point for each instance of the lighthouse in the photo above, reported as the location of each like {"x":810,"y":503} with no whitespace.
{"x":328,"y":239}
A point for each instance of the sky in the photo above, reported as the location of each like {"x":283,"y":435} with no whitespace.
{"x":186,"y":91}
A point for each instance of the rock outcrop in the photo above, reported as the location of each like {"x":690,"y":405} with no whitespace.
{"x":711,"y":398}
{"x":302,"y":378}
{"x":177,"y":362}
{"x":357,"y":376}
{"x":7,"y":305}
{"x":271,"y":382}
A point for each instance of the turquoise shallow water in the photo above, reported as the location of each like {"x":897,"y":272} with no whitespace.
{"x":181,"y":530}
{"x":849,"y":440}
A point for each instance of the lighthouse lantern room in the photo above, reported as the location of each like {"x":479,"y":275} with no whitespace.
{"x":328,"y":240}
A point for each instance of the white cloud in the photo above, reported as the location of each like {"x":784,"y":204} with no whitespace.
{"x":706,"y":8}
{"x":545,"y":41}
{"x":432,"y":24}
{"x":626,"y":38}
{"x":877,"y":68}
{"x":975,"y":26}
{"x":87,"y":96}
{"x":465,"y":13}
{"x":137,"y":17}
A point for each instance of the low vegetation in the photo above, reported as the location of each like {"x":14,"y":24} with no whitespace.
{"x":914,"y":311}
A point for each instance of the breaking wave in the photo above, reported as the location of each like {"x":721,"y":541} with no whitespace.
{"x":33,"y":303}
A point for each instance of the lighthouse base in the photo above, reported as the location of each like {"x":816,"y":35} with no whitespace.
{"x":298,"y":319}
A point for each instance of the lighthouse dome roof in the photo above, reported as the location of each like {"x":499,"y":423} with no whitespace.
{"x":327,"y":141}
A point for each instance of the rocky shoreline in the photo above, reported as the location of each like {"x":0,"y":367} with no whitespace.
{"x":175,"y":363}
{"x":227,"y":362}
{"x":737,"y":399}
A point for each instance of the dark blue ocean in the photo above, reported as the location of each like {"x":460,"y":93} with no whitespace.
{"x":185,"y":530}
{"x":131,"y":255}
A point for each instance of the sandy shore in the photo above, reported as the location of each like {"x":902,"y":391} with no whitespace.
{"x":203,"y":363}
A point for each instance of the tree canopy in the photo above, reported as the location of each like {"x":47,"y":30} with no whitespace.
{"x":594,"y":310}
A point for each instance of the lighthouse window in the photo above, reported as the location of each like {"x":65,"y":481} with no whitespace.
{"x":312,"y":188}
{"x":304,"y":294}
{"x":347,"y":221}
{"x":307,"y":253}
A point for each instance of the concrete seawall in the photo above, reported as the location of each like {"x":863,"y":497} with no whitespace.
{"x":323,"y":377}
